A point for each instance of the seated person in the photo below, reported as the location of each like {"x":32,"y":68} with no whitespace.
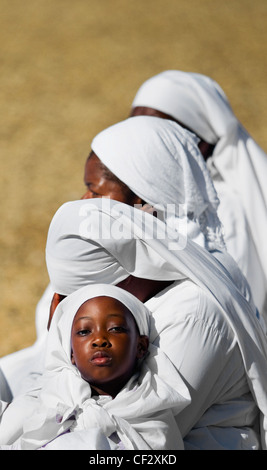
{"x":238,"y":165}
{"x":99,"y":390}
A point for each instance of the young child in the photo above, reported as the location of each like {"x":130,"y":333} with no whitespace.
{"x":101,"y":386}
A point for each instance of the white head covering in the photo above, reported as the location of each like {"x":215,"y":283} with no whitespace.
{"x":200,"y":104}
{"x":86,"y":245}
{"x":161,"y":163}
{"x":143,"y":250}
{"x":141,"y":413}
{"x":191,"y":99}
{"x":73,"y":302}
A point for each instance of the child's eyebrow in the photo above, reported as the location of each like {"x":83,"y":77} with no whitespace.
{"x":83,"y":318}
{"x":87,"y":317}
{"x":121,"y":315}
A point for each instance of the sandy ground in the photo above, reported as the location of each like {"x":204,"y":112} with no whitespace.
{"x":71,"y":68}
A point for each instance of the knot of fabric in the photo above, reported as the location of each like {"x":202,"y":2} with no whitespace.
{"x":94,"y":416}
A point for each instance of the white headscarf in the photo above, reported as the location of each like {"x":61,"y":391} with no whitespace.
{"x":141,"y":414}
{"x":161,"y":163}
{"x":142,"y":249}
{"x":199,"y":103}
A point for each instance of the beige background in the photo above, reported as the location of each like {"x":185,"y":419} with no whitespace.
{"x":70,"y":68}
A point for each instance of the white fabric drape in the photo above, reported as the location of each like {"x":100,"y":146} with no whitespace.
{"x":141,"y":414}
{"x":147,"y":255}
{"x":199,"y":103}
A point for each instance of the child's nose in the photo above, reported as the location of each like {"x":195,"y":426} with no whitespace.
{"x":101,"y":342}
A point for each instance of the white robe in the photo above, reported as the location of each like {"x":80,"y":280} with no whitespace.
{"x":222,"y":413}
{"x":240,"y":242}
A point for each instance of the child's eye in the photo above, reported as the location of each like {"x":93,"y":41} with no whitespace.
{"x":83,"y":332}
{"x":118,"y":329}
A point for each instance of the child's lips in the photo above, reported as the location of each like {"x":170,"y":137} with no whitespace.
{"x":101,"y":358}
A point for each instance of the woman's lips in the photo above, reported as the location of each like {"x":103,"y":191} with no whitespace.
{"x":101,"y":358}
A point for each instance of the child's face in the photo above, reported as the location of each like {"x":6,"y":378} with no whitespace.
{"x":106,"y":344}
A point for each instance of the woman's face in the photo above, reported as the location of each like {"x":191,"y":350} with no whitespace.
{"x":106,"y":344}
{"x":98,"y":185}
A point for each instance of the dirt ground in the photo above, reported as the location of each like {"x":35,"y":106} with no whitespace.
{"x":71,"y":68}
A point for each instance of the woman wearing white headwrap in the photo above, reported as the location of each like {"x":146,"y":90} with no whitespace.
{"x":202,"y":322}
{"x":135,"y":150}
{"x":181,"y":190}
{"x":237,"y":164}
{"x":117,"y":406}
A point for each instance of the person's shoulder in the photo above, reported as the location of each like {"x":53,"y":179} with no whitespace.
{"x":201,"y":305}
{"x":180,"y":290}
{"x":181,"y":296}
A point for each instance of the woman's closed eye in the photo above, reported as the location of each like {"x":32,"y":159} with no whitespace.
{"x":94,"y":194}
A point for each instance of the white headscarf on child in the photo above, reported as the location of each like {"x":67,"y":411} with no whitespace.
{"x":141,"y":414}
{"x":161,"y":163}
{"x":199,"y":103}
{"x":139,"y":244}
